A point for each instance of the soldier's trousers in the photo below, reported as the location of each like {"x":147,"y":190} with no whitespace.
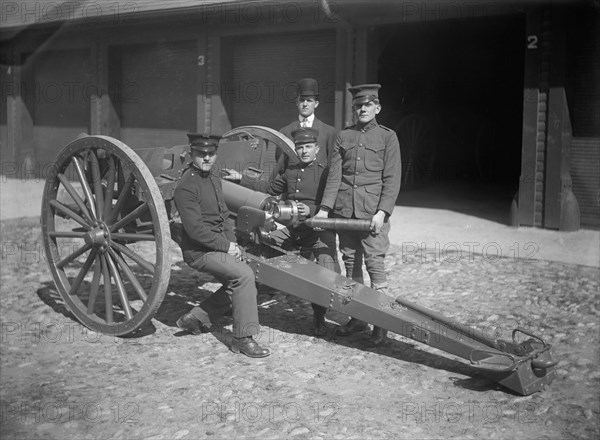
{"x":357,"y":247}
{"x":238,"y":293}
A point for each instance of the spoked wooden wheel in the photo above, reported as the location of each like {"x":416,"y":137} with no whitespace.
{"x":106,"y":235}
{"x":417,"y":146}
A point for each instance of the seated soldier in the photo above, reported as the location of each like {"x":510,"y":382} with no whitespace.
{"x":302,"y":181}
{"x":209,"y":245}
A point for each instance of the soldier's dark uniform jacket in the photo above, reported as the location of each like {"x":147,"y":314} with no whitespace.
{"x":365,"y":172}
{"x":300,"y":182}
{"x":205,"y":217}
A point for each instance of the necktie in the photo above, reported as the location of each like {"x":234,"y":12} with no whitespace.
{"x":304,"y":123}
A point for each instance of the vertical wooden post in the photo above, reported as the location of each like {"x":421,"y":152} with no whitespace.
{"x":22,"y":115}
{"x":110,"y":73}
{"x":219,"y":121}
{"x":342,"y":42}
{"x":202,"y":107}
{"x":561,"y":207}
{"x":533,"y":104}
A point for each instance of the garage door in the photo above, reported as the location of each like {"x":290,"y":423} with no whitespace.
{"x":265,"y":70}
{"x":156,"y":91}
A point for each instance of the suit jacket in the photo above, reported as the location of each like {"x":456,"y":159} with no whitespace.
{"x":365,"y":172}
{"x":326,"y":139}
{"x":204,"y":214}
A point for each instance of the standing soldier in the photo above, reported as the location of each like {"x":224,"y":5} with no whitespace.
{"x":363,"y":183}
{"x":209,"y":245}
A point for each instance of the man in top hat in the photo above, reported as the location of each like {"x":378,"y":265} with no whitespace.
{"x":363,"y":183}
{"x":307,"y":101}
{"x":209,"y":245}
{"x":302,"y":181}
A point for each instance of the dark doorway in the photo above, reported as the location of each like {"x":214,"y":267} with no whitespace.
{"x":453,"y":91}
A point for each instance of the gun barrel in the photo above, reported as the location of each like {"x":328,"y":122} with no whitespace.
{"x":339,"y":224}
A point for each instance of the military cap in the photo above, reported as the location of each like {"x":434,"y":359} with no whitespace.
{"x":305,"y":135}
{"x":203,"y":142}
{"x":364,"y":93}
{"x":308,"y":87}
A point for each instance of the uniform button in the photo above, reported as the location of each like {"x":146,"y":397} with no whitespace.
{"x":302,"y":169}
{"x":297,"y":190}
{"x":299,"y":180}
{"x":355,"y":186}
{"x":356,"y":173}
{"x":358,"y":158}
{"x":360,"y":145}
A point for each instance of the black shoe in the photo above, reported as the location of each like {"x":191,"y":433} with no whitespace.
{"x":249,"y":347}
{"x":379,"y":336}
{"x":353,"y":326}
{"x":192,"y":324}
{"x":320,"y":327}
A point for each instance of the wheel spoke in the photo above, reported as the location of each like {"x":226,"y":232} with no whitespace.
{"x":110,"y":188}
{"x":124,"y":193}
{"x":130,"y":217}
{"x":97,"y":181}
{"x":133,"y":237}
{"x":82,"y":273}
{"x":66,"y":234}
{"x":78,"y":200}
{"x":66,"y":211}
{"x":120,"y":287}
{"x":62,"y":263}
{"x":107,"y":290}
{"x":94,"y":287}
{"x":144,"y":264}
{"x":85,"y":187}
{"x":129,"y":274}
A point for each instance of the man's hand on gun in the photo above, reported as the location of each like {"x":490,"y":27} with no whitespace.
{"x":235,"y":250}
{"x":229,"y":174}
{"x":377,"y":222}
{"x":303,"y":209}
{"x":321,"y":213}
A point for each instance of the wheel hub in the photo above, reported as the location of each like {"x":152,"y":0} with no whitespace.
{"x":99,"y":237}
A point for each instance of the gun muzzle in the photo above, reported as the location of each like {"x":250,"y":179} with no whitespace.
{"x":339,"y":224}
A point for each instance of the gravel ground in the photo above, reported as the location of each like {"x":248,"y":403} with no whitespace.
{"x":60,"y":380}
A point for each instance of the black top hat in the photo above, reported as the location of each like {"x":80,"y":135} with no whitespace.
{"x":203,"y":142}
{"x":364,"y":93}
{"x":305,"y":135}
{"x":308,"y":87}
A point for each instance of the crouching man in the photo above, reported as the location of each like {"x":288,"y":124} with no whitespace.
{"x":302,"y":181}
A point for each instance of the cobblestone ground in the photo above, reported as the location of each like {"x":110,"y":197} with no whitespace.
{"x":62,"y":381}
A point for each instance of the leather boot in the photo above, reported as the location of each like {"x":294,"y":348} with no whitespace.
{"x":320,"y":327}
{"x":249,"y":347}
{"x":379,"y":336}
{"x":353,"y":326}
{"x":191,"y":324}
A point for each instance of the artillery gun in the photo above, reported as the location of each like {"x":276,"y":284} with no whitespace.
{"x":108,"y":216}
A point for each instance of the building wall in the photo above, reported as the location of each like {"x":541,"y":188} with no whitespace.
{"x":150,"y":81}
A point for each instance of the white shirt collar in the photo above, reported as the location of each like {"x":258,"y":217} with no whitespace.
{"x":310,"y":119}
